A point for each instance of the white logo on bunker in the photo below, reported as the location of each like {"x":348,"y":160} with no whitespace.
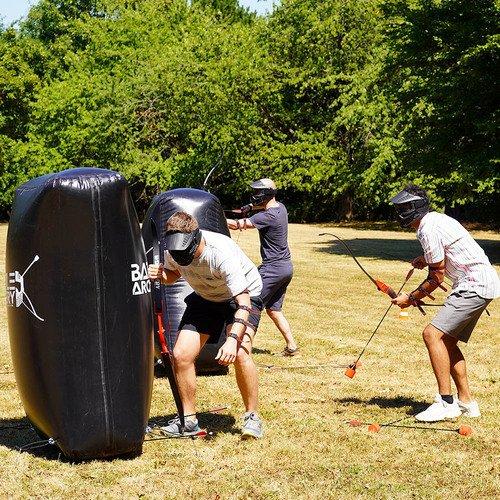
{"x":140,"y":280}
{"x":16,"y":293}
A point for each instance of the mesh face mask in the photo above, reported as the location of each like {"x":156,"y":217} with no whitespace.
{"x":409,"y":207}
{"x":262,"y":195}
{"x":182,"y":246}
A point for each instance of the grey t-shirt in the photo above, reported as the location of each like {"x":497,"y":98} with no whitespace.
{"x":273,"y":233}
{"x":221,"y":272}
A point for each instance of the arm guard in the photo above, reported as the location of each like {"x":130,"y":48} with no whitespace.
{"x":243,"y":322}
{"x":241,"y":224}
{"x":433,"y":281}
{"x":246,"y":325}
{"x":246,"y":308}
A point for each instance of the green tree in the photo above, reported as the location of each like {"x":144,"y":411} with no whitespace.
{"x":327,"y":56}
{"x":340,"y":101}
{"x":442,"y":70}
{"x":32,"y":57}
{"x":160,"y":92}
{"x":227,"y":9}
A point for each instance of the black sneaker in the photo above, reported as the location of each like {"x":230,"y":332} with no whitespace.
{"x":289,"y":352}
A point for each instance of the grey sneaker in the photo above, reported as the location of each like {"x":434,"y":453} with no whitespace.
{"x":173,"y":429}
{"x":252,"y":426}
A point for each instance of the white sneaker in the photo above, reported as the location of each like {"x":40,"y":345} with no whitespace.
{"x":439,"y":410}
{"x":469,"y":409}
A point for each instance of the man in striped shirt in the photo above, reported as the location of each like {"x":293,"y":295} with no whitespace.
{"x":448,"y":250}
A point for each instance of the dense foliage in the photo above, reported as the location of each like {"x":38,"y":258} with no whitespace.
{"x":342,"y":102}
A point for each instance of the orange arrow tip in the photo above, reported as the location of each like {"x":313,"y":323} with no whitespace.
{"x":465,"y":430}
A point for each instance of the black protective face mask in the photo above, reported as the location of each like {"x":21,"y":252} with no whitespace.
{"x":411,"y":211}
{"x":186,"y":256}
{"x":261,"y":196}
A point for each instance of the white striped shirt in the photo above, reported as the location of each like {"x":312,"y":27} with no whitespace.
{"x":467,"y":265}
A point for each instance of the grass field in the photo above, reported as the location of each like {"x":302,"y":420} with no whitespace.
{"x":309,"y":450}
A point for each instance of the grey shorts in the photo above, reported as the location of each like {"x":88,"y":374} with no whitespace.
{"x":459,"y":314}
{"x":276,"y":277}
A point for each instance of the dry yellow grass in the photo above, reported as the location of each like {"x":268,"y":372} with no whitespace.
{"x":309,"y":451}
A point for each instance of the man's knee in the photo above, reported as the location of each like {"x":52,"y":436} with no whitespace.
{"x":183,"y":356}
{"x":243,"y":355}
{"x":273,"y":314}
{"x":431,"y":334}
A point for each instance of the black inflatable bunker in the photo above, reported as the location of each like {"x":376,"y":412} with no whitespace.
{"x":207,"y":210}
{"x":79,"y":312}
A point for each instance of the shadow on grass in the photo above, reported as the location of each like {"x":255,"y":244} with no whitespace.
{"x":256,"y":350}
{"x":215,"y":422}
{"x":391,"y":249}
{"x":16,"y":433}
{"x":365,"y":226}
{"x":383,"y":402}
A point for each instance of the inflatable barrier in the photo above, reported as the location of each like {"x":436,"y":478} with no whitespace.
{"x":207,"y":210}
{"x":79,"y":312}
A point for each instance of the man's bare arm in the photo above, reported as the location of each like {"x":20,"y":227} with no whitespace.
{"x":227,"y":352}
{"x":166,"y":276}
{"x":240,"y":224}
{"x":241,"y":315}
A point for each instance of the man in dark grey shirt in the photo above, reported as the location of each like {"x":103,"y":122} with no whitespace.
{"x":276,"y":269}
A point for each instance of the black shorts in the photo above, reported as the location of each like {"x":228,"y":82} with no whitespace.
{"x":211,"y":318}
{"x":276,"y":277}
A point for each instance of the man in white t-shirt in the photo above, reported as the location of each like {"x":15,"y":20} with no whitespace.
{"x":448,"y":250}
{"x":227,"y":288}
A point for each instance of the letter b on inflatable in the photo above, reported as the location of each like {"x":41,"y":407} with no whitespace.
{"x":207,"y":210}
{"x":79,"y":312}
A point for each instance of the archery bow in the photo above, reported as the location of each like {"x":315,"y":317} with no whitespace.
{"x":210,"y":172}
{"x":158,"y":309}
{"x":440,"y":285}
{"x":351,"y":370}
{"x":204,"y":187}
{"x":245,"y":209}
{"x":381,"y":286}
{"x":378,"y":283}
